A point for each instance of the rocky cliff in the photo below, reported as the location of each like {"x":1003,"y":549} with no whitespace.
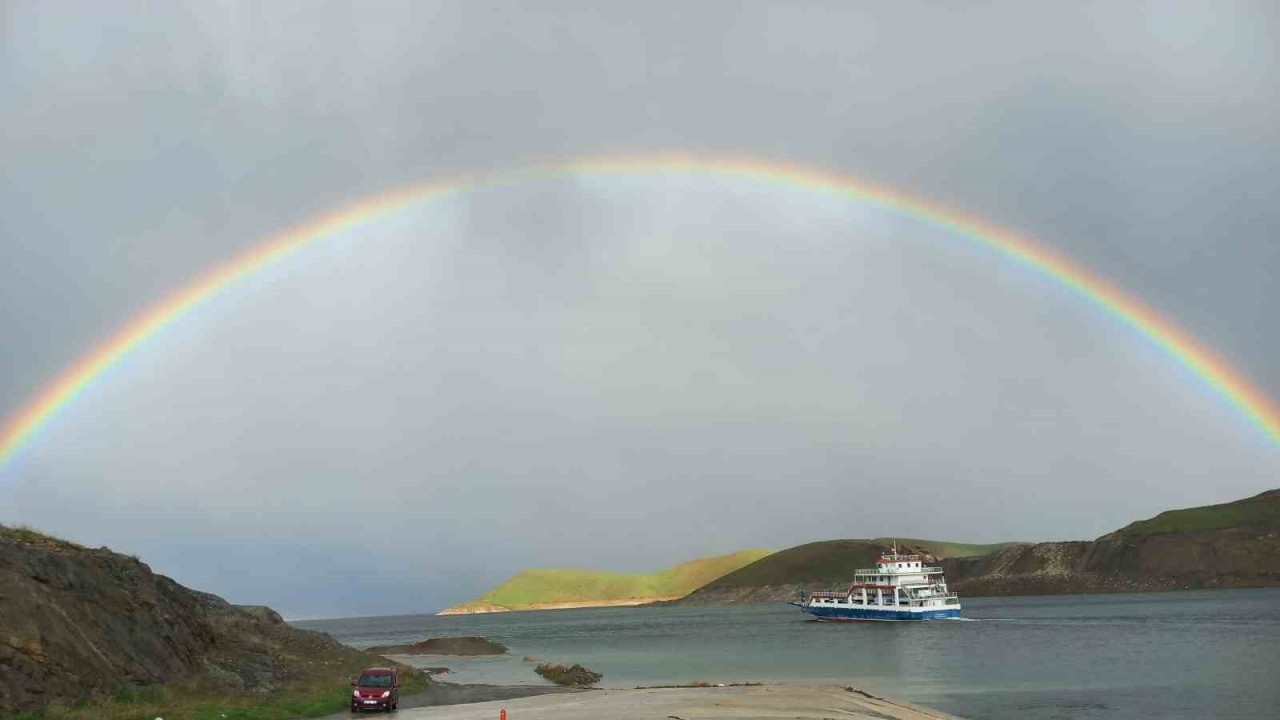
{"x":77,"y":622}
{"x":1231,"y":545}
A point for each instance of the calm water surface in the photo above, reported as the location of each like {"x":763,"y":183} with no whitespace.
{"x":1195,"y":654}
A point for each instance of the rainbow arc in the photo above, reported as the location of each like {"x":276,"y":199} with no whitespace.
{"x":1215,"y":371}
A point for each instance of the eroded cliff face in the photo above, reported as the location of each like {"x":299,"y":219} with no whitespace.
{"x":1224,"y":558}
{"x":76,"y":622}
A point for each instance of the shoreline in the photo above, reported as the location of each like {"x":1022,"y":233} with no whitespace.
{"x":792,"y":701}
{"x":569,"y":605}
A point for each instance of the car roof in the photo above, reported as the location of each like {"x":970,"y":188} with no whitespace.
{"x":378,"y":671}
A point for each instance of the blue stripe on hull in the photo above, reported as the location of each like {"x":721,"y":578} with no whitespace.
{"x":848,"y":614}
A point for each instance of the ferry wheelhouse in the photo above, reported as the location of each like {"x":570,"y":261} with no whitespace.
{"x":899,"y":587}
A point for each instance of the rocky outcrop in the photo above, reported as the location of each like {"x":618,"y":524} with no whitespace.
{"x":574,"y":676}
{"x":77,"y":622}
{"x":468,"y":645}
{"x":474,"y":609}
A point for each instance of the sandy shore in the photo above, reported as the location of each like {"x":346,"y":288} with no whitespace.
{"x":793,"y":702}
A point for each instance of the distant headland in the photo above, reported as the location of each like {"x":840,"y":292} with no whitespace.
{"x":1230,"y":545}
{"x":554,"y":589}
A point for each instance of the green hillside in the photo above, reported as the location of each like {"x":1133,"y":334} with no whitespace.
{"x":833,"y":561}
{"x":946,"y":548}
{"x":1261,"y":509}
{"x":541,"y":586}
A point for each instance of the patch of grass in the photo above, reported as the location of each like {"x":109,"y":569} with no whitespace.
{"x":946,"y":548}
{"x":307,"y":698}
{"x":31,"y":536}
{"x":1260,"y":509}
{"x":827,"y":561}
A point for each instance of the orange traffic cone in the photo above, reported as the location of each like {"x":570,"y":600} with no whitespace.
{"x":502,"y":715}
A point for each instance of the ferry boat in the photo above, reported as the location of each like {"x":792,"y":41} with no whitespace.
{"x":899,"y":587}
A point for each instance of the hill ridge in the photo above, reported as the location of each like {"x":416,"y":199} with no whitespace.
{"x":1263,"y":508}
{"x":1233,"y":544}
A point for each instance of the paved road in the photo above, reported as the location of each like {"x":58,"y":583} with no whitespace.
{"x":765,"y":702}
{"x":443,"y":693}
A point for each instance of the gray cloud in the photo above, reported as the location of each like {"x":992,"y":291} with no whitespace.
{"x":641,"y":369}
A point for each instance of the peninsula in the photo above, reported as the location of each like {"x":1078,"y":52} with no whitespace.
{"x":551,"y":589}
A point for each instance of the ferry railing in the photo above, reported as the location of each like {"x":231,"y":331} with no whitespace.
{"x":928,"y":570}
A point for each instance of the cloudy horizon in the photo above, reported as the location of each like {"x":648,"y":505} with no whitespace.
{"x":625,"y":371}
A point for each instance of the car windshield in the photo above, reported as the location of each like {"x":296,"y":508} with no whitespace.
{"x":379,"y":680}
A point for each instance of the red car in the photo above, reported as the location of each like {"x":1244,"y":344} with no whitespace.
{"x":377,"y":689}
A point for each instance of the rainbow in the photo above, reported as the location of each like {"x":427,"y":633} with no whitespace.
{"x":1212,"y":369}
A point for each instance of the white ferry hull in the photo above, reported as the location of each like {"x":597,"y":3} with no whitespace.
{"x":860,"y":613}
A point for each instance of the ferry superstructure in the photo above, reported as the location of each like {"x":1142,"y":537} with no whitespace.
{"x":899,"y":587}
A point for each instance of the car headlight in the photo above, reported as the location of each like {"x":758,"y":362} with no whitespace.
{"x":355,"y":693}
{"x":386,"y":693}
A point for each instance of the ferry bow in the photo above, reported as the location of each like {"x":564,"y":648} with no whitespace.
{"x":899,"y":587}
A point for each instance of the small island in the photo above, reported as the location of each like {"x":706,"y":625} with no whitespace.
{"x":462,"y":645}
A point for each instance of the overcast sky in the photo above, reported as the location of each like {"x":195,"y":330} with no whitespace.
{"x":624,"y":372}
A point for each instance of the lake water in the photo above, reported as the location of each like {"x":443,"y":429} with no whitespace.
{"x":1194,"y":654}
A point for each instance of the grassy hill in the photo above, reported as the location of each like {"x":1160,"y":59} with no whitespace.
{"x":830,"y":562}
{"x":546,"y":586}
{"x":1261,"y":509}
{"x":1231,"y":545}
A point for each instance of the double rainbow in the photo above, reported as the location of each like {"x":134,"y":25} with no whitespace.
{"x":1212,"y":369}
